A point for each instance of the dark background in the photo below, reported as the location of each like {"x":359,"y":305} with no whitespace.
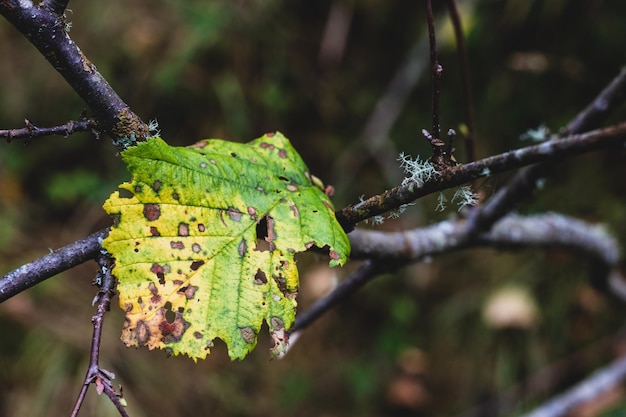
{"x":415,"y":343}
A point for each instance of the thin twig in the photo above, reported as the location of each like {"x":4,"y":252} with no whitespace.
{"x":609,"y":98}
{"x":31,"y":131}
{"x":436,"y":71}
{"x":455,"y":176}
{"x":347,"y":287}
{"x":465,"y":79}
{"x":388,"y":251}
{"x":45,"y":29}
{"x":522,"y":185}
{"x":95,"y":375}
{"x":51,"y":264}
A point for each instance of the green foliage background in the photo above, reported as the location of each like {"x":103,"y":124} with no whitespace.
{"x":238,"y":69}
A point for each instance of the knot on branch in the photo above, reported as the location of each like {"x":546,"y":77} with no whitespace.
{"x":443,"y":155}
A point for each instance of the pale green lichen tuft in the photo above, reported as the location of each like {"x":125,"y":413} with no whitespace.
{"x":465,"y":197}
{"x":419,"y":172}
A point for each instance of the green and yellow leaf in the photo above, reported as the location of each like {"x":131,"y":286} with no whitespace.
{"x":204,"y":239}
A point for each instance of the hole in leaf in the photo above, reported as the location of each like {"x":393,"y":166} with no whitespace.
{"x":170,"y":316}
{"x":125,"y":193}
{"x":260,"y":277}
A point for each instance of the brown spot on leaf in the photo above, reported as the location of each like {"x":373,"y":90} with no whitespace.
{"x":251,"y":211}
{"x":156,"y":186}
{"x":197,"y":335}
{"x":333,"y":255}
{"x":327,"y":204}
{"x":151,"y":211}
{"x":277,"y":323}
{"x":234,"y":214}
{"x":177,"y":244}
{"x":138,"y":188}
{"x":142,"y":332}
{"x":292,"y":187}
{"x":196,"y":248}
{"x":203,"y":165}
{"x":282,"y":153}
{"x":294,"y":209}
{"x":153,"y":289}
{"x":154,"y":231}
{"x":260,"y":277}
{"x":243,"y":247}
{"x":195,"y":265}
{"x":189,"y":291}
{"x":310,"y":244}
{"x":177,"y":281}
{"x":183,"y":229}
{"x":266,"y":145}
{"x":248,"y":334}
{"x":175,"y":196}
{"x":201,"y":228}
{"x":233,"y":154}
{"x":160,"y":271}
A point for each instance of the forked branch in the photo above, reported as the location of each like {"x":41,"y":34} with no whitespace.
{"x":96,"y":375}
{"x":44,"y":26}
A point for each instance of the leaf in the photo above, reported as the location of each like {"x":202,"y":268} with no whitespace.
{"x":204,"y":239}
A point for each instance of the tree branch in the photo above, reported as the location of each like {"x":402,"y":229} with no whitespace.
{"x":510,"y":232}
{"x":49,"y":265}
{"x":44,"y":27}
{"x":347,"y":287}
{"x":591,"y":117}
{"x":31,"y":131}
{"x":521,"y":186}
{"x":388,"y":251}
{"x":589,"y":389}
{"x":454,"y":176}
{"x":436,"y":71}
{"x":461,"y":50}
{"x":78,"y":252}
{"x":95,"y":375}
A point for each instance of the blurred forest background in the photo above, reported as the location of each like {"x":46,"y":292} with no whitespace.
{"x":430,"y":340}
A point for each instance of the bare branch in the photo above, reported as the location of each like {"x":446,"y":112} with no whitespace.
{"x":591,"y":117}
{"x":465,"y":79}
{"x":388,"y":251}
{"x":31,"y":131}
{"x":454,"y":176}
{"x":347,"y":287}
{"x":510,"y":232}
{"x":95,"y":375}
{"x":47,"y":266}
{"x":45,"y":29}
{"x":436,"y":71}
{"x":521,"y":186}
{"x":589,"y":389}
